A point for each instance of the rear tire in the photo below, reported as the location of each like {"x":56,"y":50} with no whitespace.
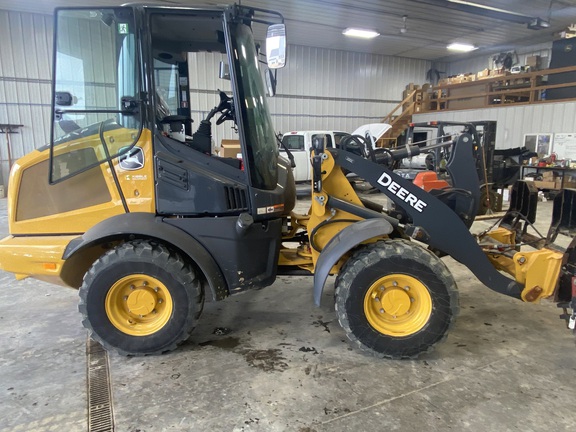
{"x":395,"y":299}
{"x":140,"y":299}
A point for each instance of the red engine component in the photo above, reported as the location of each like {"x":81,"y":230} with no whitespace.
{"x":428,"y":180}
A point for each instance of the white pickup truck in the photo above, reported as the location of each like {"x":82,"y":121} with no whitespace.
{"x":299,"y":144}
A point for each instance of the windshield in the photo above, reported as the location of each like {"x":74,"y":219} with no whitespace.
{"x":262,"y":149}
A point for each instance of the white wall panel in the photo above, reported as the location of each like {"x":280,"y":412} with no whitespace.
{"x":515,"y":122}
{"x":25,"y":72}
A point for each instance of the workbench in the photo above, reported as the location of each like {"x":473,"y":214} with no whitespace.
{"x":563,"y":177}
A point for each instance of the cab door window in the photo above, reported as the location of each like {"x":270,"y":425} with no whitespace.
{"x":96,"y":112}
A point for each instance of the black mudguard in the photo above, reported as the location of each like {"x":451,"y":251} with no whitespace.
{"x":151,"y":226}
{"x":341,"y":243}
{"x":446,"y":231}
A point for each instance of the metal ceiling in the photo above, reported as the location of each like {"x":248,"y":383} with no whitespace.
{"x":430,"y":24}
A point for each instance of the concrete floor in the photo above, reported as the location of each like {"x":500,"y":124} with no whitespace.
{"x":286,"y":366}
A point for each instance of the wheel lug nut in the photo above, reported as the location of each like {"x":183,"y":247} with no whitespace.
{"x":145,"y":283}
{"x":156,"y":289}
{"x":154,"y":311}
{"x":125,"y":298}
{"x":376,"y":299}
{"x":382,"y":288}
{"x":411,"y":299}
{"x":394,"y":316}
{"x":406,"y":288}
{"x":141,"y":316}
{"x":132,"y":287}
{"x":395,"y":283}
{"x":381,"y":310}
{"x":160,"y":300}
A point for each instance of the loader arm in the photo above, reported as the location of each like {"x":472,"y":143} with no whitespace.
{"x":444,"y":230}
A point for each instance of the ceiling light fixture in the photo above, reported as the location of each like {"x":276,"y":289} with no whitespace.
{"x":533,"y":23}
{"x":360,"y":33}
{"x":461,"y":47}
{"x":480,"y":6}
{"x":538,"y":24}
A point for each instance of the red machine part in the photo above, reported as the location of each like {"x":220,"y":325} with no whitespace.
{"x":428,"y":180}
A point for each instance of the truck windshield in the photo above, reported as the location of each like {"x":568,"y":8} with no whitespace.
{"x":262,"y":149}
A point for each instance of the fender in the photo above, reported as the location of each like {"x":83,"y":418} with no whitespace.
{"x":341,"y":243}
{"x":152,"y":226}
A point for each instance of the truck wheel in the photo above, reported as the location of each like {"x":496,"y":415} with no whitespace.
{"x":395,"y":299}
{"x":140,"y":299}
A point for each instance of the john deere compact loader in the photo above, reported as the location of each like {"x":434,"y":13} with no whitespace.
{"x":129,"y":204}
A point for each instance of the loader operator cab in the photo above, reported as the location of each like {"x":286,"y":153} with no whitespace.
{"x":122,"y":78}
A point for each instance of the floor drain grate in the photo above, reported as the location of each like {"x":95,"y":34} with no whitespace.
{"x":100,"y":409}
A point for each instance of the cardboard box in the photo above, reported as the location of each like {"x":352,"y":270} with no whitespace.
{"x":546,"y":185}
{"x":548,"y":175}
{"x":483,"y":74}
{"x":229,"y":148}
{"x":499,"y":73}
{"x":533,"y":61}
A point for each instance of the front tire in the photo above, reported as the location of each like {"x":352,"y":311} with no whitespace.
{"x":395,"y":300}
{"x":140,"y":299}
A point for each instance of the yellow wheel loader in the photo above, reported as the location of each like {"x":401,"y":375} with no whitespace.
{"x":130,"y":205}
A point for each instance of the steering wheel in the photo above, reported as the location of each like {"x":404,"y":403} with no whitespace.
{"x":225,"y":108}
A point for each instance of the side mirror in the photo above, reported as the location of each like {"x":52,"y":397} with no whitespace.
{"x":270,"y":82}
{"x":224,"y":72}
{"x":276,"y":46}
{"x":63,"y":99}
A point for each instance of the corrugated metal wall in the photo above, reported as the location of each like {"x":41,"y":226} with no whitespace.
{"x":25,"y":73}
{"x":484,"y":61}
{"x":515,"y":122}
{"x":340,"y":90}
{"x":318,"y":88}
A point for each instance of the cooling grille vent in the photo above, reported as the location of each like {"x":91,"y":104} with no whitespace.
{"x":235,"y":198}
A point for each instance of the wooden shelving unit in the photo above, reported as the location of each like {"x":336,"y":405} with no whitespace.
{"x":508,"y":89}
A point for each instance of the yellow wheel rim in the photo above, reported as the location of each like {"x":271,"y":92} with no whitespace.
{"x":397,"y":305}
{"x":138,"y":305}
